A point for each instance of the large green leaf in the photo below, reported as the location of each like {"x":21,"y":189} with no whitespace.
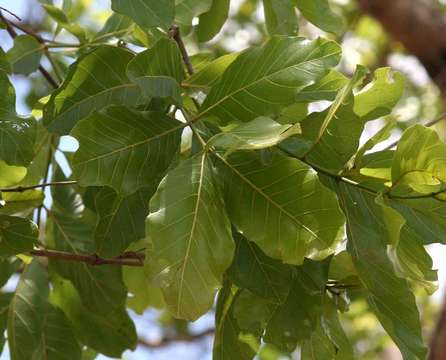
{"x":281,"y":17}
{"x":26,"y":314}
{"x":117,"y":25}
{"x":262,"y":79}
{"x":57,"y":340}
{"x":138,"y":149}
{"x":25,"y":55}
{"x":95,"y":80}
{"x":251,"y":269}
{"x":212,"y":20}
{"x":158,"y":71}
{"x":147,"y":13}
{"x":325,"y":89}
{"x":111,"y":334}
{"x":191,"y":236}
{"x":17,"y":135}
{"x":120,"y":220}
{"x":17,"y":235}
{"x":281,"y":206}
{"x":370,"y":227}
{"x":303,"y":306}
{"x":320,"y":14}
{"x":419,"y":162}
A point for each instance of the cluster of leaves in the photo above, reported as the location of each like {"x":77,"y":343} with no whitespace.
{"x":225,"y":177}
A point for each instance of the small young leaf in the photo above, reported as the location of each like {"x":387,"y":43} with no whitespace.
{"x":25,"y":55}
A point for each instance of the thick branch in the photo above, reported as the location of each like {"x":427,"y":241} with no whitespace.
{"x":126,"y":259}
{"x":165,"y":341}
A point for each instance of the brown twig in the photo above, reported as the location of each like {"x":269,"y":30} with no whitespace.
{"x":37,"y":186}
{"x":165,"y":341}
{"x":126,"y":259}
{"x":174,"y":33}
{"x":13,"y":35}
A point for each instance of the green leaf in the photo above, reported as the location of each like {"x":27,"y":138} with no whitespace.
{"x":120,"y":220}
{"x":17,"y":135}
{"x":272,"y":76}
{"x":211,"y":21}
{"x":62,"y":20}
{"x":383,"y":134}
{"x":370,"y":227}
{"x":21,"y":203}
{"x":140,"y":147}
{"x":101,"y":287}
{"x":303,"y":306}
{"x":82,"y":93}
{"x":17,"y":235}
{"x":191,"y":236}
{"x":426,"y":218}
{"x":11,"y":175}
{"x":332,"y":146}
{"x":25,"y":55}
{"x":229,"y":341}
{"x":378,"y":98}
{"x":158,"y":70}
{"x":117,"y":25}
{"x":419,"y":162}
{"x":259,"y":133}
{"x":281,"y":206}
{"x":251,"y":269}
{"x":281,"y":17}
{"x":57,"y":340}
{"x":147,"y":13}
{"x":320,"y":14}
{"x":210,"y":74}
{"x":109,"y":334}
{"x":26,"y":314}
{"x":186,"y":10}
{"x":325,"y":89}
{"x":141,"y":283}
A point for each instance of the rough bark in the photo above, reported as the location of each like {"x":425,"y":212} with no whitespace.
{"x":420,"y":26}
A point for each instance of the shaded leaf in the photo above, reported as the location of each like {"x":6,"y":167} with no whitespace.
{"x":26,"y":314}
{"x":17,"y":235}
{"x":25,"y":55}
{"x":280,"y":17}
{"x":370,"y":227}
{"x":320,"y":14}
{"x":212,"y":20}
{"x":158,"y":70}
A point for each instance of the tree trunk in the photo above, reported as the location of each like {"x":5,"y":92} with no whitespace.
{"x":420,"y":26}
